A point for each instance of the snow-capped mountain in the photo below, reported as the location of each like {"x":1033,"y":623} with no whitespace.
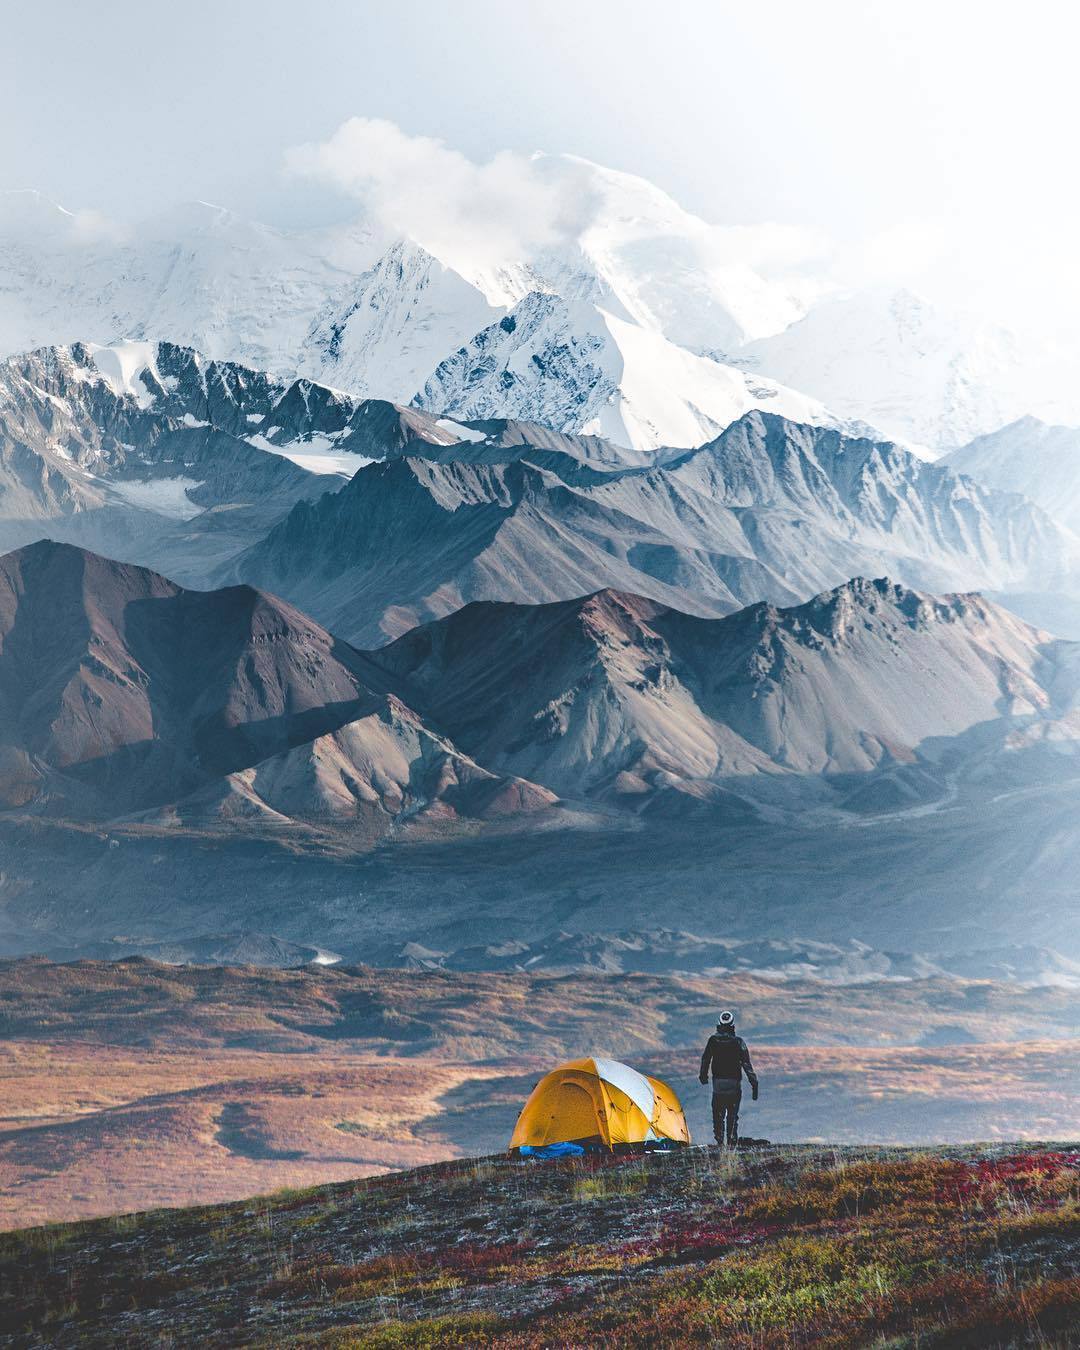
{"x":1030,"y":457}
{"x":664,"y":268}
{"x":198,"y":275}
{"x":927,"y":378}
{"x":644,"y":323}
{"x":151,"y":452}
{"x":119,"y":448}
{"x":577,"y":367}
{"x":397,"y":323}
{"x":378,"y":316}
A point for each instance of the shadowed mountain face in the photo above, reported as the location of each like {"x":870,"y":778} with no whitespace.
{"x":625,"y":698}
{"x":116,"y":447}
{"x":770,"y":510}
{"x":119,"y":691}
{"x":207,"y":470}
{"x":127,"y":685}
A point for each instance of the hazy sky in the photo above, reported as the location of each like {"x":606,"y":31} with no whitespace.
{"x":934,"y":143}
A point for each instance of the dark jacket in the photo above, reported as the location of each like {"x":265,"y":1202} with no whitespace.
{"x":727,"y":1059}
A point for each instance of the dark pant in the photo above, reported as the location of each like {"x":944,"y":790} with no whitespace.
{"x":725,"y":1114}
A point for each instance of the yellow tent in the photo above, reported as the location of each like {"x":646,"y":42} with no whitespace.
{"x":600,"y":1101}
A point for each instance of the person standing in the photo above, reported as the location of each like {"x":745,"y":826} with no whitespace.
{"x":727,"y":1059}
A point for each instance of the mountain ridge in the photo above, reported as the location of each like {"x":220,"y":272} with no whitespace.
{"x":623,"y":698}
{"x":122,"y":692}
{"x":118,"y":686}
{"x":770,"y":509}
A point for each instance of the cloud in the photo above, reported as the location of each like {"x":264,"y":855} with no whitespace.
{"x":475,"y":216}
{"x":772,"y":247}
{"x":901,"y":254}
{"x":496,"y":212}
{"x":92,"y":227}
{"x":28,"y":216}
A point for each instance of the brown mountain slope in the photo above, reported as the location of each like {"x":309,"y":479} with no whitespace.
{"x":120,"y":691}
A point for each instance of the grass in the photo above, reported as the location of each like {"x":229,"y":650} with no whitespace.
{"x":626,"y":1181}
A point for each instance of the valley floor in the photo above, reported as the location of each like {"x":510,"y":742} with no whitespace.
{"x":135,"y":1085}
{"x":811,"y":1245}
{"x":93,"y":1130}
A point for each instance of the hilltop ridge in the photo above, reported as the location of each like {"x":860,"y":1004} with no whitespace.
{"x":847,"y":1247}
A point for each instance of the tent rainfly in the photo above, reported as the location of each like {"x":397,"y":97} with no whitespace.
{"x":599,"y":1101}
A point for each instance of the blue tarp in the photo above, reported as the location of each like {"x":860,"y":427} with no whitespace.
{"x":551,"y":1151}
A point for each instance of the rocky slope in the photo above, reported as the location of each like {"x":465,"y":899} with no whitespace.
{"x":119,"y":686}
{"x":151,"y":452}
{"x":119,"y":691}
{"x":624,"y":698}
{"x":139,"y":448}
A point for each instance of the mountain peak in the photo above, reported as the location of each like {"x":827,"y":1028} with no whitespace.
{"x":608,"y":609}
{"x":1037,"y":458}
{"x":860,"y":602}
{"x":52,"y":555}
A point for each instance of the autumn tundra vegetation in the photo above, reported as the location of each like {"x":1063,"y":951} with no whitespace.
{"x":803,"y":1245}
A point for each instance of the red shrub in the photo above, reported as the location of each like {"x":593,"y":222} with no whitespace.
{"x":695,"y":1241}
{"x":1021,"y":1174}
{"x":476,"y":1259}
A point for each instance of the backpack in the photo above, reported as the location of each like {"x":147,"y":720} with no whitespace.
{"x":727,"y":1057}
